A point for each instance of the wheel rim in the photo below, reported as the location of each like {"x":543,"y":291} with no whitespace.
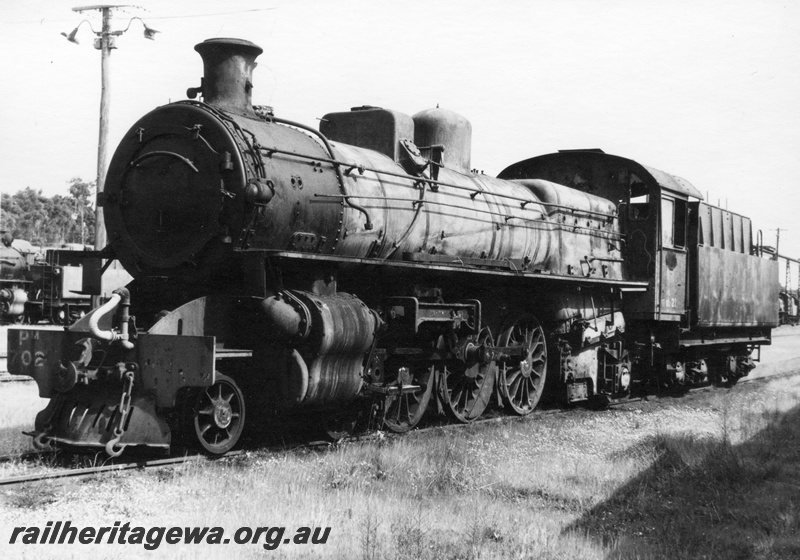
{"x":467,"y":388}
{"x":522,"y":380}
{"x":219,"y":416}
{"x":404,"y":411}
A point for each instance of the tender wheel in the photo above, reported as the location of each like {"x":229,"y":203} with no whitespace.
{"x":522,"y":377}
{"x":219,"y":416}
{"x":404,"y":410}
{"x":727,"y":372}
{"x":466,"y":389}
{"x":726,"y":379}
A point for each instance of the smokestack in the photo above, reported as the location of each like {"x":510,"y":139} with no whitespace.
{"x":227,"y":73}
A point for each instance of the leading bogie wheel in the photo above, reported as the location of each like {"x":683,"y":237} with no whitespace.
{"x":522,"y":376}
{"x":218,"y":416}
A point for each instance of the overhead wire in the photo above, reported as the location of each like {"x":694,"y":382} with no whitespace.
{"x":214,"y":14}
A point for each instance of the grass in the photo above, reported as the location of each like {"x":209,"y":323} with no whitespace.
{"x":706,"y":498}
{"x":21,"y":403}
{"x":713,"y":476}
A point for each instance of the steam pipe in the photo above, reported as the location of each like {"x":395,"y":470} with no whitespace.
{"x":103,"y":310}
{"x":433,"y":182}
{"x":121,"y":295}
{"x":124,"y":317}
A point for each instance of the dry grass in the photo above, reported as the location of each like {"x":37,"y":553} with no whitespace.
{"x":711,"y":476}
{"x":21,"y":402}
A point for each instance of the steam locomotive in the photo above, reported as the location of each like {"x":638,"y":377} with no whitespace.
{"x":14,"y":280}
{"x":54,"y":289}
{"x":363,"y":268}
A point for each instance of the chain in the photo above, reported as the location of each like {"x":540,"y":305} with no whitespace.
{"x":124,"y":411}
{"x":41,"y":441}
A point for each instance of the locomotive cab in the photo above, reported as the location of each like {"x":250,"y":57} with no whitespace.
{"x":655,"y":223}
{"x":652,"y":207}
{"x":706,"y":299}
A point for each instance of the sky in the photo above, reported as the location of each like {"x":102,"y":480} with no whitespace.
{"x":708,"y":90}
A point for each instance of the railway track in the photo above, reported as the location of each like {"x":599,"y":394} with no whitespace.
{"x":91,"y":471}
{"x":15,"y":379}
{"x":142,"y":464}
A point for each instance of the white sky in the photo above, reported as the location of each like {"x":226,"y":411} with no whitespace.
{"x":708,"y":90}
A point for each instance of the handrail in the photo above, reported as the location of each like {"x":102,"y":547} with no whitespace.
{"x":361,"y":168}
{"x":337,"y":165}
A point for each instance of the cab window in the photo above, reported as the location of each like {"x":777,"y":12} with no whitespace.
{"x":673,"y":223}
{"x":639,"y":207}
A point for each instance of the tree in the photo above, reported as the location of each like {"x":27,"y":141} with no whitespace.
{"x":32,"y":216}
{"x":82,"y":193}
{"x":43,"y":221}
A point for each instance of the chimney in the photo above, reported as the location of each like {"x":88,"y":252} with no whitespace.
{"x":227,"y":73}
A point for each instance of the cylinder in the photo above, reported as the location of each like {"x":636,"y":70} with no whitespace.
{"x":324,"y":366}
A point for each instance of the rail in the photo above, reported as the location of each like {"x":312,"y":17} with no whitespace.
{"x":363,"y":437}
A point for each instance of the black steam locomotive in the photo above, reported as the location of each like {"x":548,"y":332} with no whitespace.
{"x":55,"y":289}
{"x":14,"y":281}
{"x":363,"y":267}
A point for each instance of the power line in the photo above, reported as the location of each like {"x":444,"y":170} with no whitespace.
{"x":214,"y":14}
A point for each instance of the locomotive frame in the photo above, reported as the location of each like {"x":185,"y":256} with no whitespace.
{"x":364,"y":267}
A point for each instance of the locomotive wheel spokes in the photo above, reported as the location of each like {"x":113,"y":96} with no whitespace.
{"x":404,"y":410}
{"x":466,"y":389}
{"x":219,"y":416}
{"x":522,"y":377}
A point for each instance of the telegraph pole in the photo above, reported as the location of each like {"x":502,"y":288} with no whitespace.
{"x":104,"y":43}
{"x":105,"y":99}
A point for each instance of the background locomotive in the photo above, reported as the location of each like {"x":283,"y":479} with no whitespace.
{"x":15,"y":280}
{"x":282,"y":269}
{"x":55,"y":288}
